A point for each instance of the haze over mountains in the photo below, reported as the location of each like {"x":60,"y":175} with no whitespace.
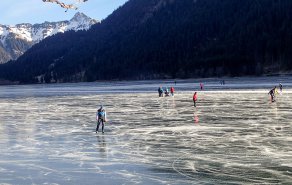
{"x":150,"y":39}
{"x":16,"y":39}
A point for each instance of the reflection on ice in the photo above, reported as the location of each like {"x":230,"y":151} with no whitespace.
{"x":236,"y":137}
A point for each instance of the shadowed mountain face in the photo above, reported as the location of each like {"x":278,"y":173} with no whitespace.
{"x":147,"y":39}
{"x":4,"y":56}
{"x":15,"y":40}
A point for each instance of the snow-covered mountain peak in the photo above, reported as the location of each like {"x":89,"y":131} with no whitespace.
{"x":37,"y":32}
{"x":28,"y":34}
{"x":80,"y":21}
{"x":80,"y":17}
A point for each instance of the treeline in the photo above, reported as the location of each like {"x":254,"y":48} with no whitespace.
{"x":148,"y":39}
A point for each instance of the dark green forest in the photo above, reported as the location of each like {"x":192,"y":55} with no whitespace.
{"x":155,"y":39}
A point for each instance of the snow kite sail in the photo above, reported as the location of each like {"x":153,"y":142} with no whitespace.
{"x":66,"y":6}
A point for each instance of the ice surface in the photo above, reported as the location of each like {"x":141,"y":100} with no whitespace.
{"x":234,"y":136}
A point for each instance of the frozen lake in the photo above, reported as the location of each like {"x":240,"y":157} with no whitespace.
{"x":234,"y":136}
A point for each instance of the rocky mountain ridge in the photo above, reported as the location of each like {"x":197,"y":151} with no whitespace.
{"x":16,"y":39}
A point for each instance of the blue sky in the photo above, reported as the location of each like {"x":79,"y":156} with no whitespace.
{"x":36,"y":11}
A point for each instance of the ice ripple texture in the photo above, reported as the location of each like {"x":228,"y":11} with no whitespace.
{"x":234,"y":137}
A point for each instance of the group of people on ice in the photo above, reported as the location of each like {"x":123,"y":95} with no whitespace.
{"x":165,"y":92}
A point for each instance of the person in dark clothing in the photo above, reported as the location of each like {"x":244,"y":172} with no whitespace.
{"x":166,"y":92}
{"x":280,"y":87}
{"x":272,"y":93}
{"x":201,"y":86}
{"x":101,"y":118}
{"x":160,"y":91}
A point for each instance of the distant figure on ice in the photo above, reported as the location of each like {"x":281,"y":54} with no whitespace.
{"x":195,"y":98}
{"x":172,"y":91}
{"x":201,"y":86}
{"x":222,"y":82}
{"x":166,"y":92}
{"x":280,"y":87}
{"x":100,"y":118}
{"x":160,"y":91}
{"x":272,"y":93}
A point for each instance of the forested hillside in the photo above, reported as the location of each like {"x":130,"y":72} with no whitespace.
{"x":147,"y":39}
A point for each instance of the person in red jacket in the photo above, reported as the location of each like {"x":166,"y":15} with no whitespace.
{"x":195,"y":98}
{"x":172,"y":91}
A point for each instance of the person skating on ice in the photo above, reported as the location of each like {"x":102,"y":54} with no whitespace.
{"x":272,"y":93}
{"x":100,"y":118}
{"x":195,"y":98}
{"x":172,"y":91}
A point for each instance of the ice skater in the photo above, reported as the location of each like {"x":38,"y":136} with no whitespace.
{"x":195,"y":98}
{"x":172,"y":91}
{"x":160,"y":91}
{"x":202,"y":86}
{"x":280,"y":87}
{"x":166,"y":92}
{"x":100,"y":118}
{"x":272,"y":93}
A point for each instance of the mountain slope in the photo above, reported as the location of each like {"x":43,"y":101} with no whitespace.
{"x":15,"y":40}
{"x":146,"y":39}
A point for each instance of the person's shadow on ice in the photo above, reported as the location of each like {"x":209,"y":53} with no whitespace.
{"x":102,"y":147}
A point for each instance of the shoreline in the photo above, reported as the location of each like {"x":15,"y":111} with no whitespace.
{"x":226,"y":78}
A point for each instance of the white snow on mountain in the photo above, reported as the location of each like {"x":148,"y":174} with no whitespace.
{"x":37,"y":32}
{"x":3,"y":33}
{"x":34,"y":33}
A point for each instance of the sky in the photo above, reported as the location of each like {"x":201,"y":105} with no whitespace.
{"x":36,"y":11}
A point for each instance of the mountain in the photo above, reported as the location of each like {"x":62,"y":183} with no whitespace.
{"x":149,"y":39}
{"x":16,"y":39}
